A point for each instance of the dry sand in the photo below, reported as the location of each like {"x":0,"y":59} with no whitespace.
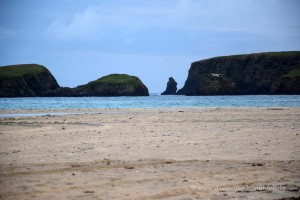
{"x":186,"y":153}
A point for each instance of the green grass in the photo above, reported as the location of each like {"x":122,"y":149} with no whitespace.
{"x":292,"y":74}
{"x":12,"y":71}
{"x":116,"y":79}
{"x":283,"y":54}
{"x":112,"y":80}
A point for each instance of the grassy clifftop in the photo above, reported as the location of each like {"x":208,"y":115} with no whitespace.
{"x":21,"y":70}
{"x":25,"y":80}
{"x":117,"y":79}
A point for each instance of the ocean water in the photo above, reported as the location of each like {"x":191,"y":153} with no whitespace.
{"x":152,"y":101}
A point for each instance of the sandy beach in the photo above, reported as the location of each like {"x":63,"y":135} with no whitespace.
{"x":169,"y":153}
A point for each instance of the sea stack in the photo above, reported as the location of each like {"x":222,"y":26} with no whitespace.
{"x":171,"y":87}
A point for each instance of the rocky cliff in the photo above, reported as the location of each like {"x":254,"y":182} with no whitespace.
{"x":259,"y":73}
{"x":32,"y":80}
{"x":27,"y":80}
{"x":171,"y":87}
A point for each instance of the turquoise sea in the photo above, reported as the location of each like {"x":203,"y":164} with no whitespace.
{"x":152,"y":101}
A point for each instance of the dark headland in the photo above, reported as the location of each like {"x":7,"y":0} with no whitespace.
{"x":249,"y":74}
{"x":32,"y":80}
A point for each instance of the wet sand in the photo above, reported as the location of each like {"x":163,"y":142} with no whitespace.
{"x":178,"y":153}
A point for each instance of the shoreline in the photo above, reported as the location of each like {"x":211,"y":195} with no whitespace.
{"x":151,"y":153}
{"x":161,"y":102}
{"x":4,"y":113}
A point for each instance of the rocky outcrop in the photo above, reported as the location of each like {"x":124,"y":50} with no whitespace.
{"x":261,"y":73}
{"x":32,"y":80}
{"x":27,"y":80}
{"x":61,"y":92}
{"x":171,"y":87}
{"x":113,"y":85}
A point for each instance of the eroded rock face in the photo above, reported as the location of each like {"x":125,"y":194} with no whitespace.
{"x":171,"y":87}
{"x":212,"y":84}
{"x":262,"y":73}
{"x":26,"y":80}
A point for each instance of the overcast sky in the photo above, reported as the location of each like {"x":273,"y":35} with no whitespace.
{"x":82,"y":40}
